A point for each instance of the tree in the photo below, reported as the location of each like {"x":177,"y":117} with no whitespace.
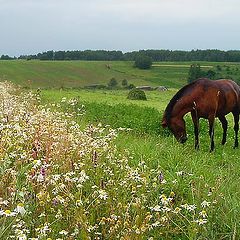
{"x":143,"y":61}
{"x":131,"y":86}
{"x":112,"y":83}
{"x":194,"y":72}
{"x":211,"y":74}
{"x":124,"y":83}
{"x":6,"y":57}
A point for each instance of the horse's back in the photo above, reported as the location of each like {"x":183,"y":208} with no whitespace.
{"x":219,"y":96}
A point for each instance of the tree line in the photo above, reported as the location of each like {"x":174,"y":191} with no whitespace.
{"x":156,"y":55}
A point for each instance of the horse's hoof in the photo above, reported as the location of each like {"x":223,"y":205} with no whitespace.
{"x":223,"y":142}
{"x":197,"y":147}
{"x":211,"y":150}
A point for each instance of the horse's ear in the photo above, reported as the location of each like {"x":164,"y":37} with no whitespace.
{"x":164,"y":123}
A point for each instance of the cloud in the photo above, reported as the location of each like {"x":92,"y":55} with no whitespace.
{"x":33,"y":25}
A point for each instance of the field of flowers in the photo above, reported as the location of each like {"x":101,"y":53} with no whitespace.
{"x":59,"y":181}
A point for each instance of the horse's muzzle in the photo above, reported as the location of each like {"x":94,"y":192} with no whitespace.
{"x":183,"y":139}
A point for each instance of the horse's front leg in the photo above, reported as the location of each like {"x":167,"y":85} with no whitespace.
{"x":196,"y":128}
{"x":211,"y":131}
{"x":224,"y":122}
{"x":236,"y":127}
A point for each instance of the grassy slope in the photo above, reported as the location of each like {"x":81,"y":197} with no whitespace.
{"x":74,"y":74}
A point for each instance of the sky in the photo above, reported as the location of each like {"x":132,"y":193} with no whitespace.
{"x":32,"y":26}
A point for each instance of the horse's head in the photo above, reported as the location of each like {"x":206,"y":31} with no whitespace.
{"x":177,"y":127}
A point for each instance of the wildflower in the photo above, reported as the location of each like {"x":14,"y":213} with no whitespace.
{"x":22,"y":237}
{"x":37,"y":163}
{"x":63,"y":99}
{"x":58,"y":215}
{"x":7,"y":213}
{"x":201,"y":221}
{"x":180,"y":173}
{"x":164,"y":199}
{"x":156,"y":224}
{"x":205,"y":204}
{"x":79,"y":203}
{"x":189,"y":207}
{"x":60,"y":199}
{"x":3,"y":202}
{"x":209,"y":193}
{"x":157,"y":208}
{"x":83,"y":177}
{"x":161,"y":177}
{"x":174,"y":181}
{"x":75,"y":232}
{"x":177,"y":210}
{"x":164,"y":219}
{"x":63,"y":232}
{"x":40,"y":178}
{"x":203,"y":213}
{"x":20,"y":209}
{"x":137,"y":231}
{"x":172,"y":194}
{"x":102,"y":194}
{"x":166,"y":209}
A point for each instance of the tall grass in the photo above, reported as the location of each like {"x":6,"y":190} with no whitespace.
{"x":60,"y":180}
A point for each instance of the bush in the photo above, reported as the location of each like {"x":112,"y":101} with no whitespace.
{"x":137,"y":94}
{"x":143,"y":62}
{"x":112,"y":83}
{"x":124,"y":83}
{"x":131,"y":86}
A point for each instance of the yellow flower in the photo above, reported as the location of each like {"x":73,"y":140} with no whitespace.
{"x":8,"y":212}
{"x":172,"y":194}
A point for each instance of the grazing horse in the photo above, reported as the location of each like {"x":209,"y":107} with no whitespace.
{"x":207,"y":99}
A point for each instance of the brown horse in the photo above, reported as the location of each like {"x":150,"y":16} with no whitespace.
{"x":207,"y":99}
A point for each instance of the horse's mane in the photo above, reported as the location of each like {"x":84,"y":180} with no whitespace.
{"x":176,"y":97}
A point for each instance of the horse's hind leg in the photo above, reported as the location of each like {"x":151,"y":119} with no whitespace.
{"x":196,"y":128}
{"x":236,"y":127}
{"x":211,"y":131}
{"x":224,"y":122}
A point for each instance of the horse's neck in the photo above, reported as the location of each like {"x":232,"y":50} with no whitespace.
{"x":182,"y":107}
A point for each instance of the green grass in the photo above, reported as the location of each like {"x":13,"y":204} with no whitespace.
{"x":77,"y":74}
{"x":155,"y":99}
{"x":216,"y":173}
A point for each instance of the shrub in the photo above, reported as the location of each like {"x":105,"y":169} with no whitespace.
{"x":112,"y":83}
{"x":143,"y":62}
{"x":131,"y":86}
{"x":124,"y":83}
{"x":137,"y":94}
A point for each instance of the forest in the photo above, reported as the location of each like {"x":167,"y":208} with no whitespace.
{"x":211,"y":55}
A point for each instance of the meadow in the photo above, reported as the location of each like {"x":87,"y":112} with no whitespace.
{"x":77,"y":74}
{"x":91,"y":164}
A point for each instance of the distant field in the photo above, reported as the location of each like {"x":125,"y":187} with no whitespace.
{"x":156,"y":99}
{"x":77,"y":74}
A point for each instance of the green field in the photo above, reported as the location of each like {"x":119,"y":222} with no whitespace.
{"x":193,"y":176}
{"x":77,"y":74}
